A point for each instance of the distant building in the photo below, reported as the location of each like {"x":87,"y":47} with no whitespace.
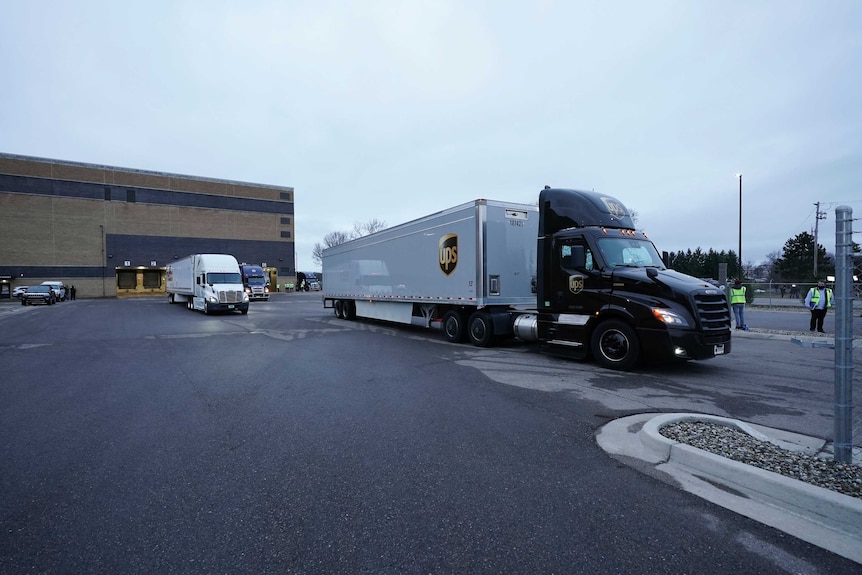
{"x":110,"y":231}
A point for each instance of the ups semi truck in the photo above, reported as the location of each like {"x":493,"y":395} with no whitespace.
{"x":572,"y":274}
{"x":206,"y":282}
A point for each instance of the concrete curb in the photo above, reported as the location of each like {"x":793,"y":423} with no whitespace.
{"x":820,"y":516}
{"x":841,"y":512}
{"x":800,"y":339}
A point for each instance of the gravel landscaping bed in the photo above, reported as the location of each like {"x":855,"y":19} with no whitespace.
{"x":734,"y":444}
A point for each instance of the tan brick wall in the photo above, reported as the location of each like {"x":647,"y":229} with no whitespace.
{"x":24,"y":168}
{"x":77,"y":232}
{"x":27,"y":224}
{"x":78,"y":173}
{"x":121,"y":178}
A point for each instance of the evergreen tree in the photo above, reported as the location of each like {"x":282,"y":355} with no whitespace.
{"x":704,"y":265}
{"x":797,"y":260}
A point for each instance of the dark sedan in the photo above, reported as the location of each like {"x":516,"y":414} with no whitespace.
{"x":38,"y":294}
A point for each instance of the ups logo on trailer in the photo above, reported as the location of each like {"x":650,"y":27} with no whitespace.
{"x":447,"y":249}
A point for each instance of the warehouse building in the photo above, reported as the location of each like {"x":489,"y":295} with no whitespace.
{"x":111,"y":231}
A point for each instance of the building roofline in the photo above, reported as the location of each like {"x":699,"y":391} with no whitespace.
{"x":4,"y":155}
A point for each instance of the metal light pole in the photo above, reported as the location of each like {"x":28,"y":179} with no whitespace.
{"x":739,"y":176}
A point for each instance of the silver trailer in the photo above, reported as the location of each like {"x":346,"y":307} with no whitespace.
{"x":442,"y":270}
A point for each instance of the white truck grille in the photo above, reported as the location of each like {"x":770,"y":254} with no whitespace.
{"x":231,"y":296}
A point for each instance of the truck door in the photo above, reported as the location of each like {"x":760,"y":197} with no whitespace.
{"x":577,"y":290}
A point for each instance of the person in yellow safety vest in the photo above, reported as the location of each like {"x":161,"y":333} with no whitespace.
{"x":818,"y":300}
{"x":737,"y":304}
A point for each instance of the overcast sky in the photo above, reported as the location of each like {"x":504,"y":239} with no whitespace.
{"x":396,"y":109}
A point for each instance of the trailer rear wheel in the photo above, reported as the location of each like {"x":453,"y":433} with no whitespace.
{"x":480,"y":329}
{"x":349,"y":309}
{"x":453,"y":327}
{"x":339,"y":309}
{"x":615,"y":345}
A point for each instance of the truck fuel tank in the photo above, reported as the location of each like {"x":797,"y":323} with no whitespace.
{"x":526,"y":327}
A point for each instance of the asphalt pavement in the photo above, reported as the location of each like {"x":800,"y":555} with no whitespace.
{"x":817,"y":515}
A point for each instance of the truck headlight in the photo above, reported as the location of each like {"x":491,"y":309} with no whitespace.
{"x":669,"y":318}
{"x":244,"y":297}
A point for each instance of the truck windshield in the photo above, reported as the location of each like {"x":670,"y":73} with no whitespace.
{"x":256,"y":280}
{"x":223,"y":278}
{"x":629,"y":252}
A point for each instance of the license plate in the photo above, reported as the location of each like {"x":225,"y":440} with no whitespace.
{"x":231,"y":307}
{"x":719,"y":349}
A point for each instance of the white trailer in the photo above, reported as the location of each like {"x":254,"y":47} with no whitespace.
{"x":442,"y":270}
{"x":207,"y":282}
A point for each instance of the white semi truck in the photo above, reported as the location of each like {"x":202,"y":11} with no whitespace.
{"x":571,"y":273}
{"x":207,"y":282}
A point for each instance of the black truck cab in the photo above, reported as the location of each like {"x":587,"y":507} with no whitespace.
{"x":603,"y":290}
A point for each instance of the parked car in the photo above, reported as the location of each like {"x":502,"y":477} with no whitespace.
{"x":19,"y":290}
{"x":59,"y":289}
{"x":38,"y":294}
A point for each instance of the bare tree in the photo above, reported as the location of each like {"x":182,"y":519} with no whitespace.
{"x":329,"y":240}
{"x":365,"y":228}
{"x":338,"y":237}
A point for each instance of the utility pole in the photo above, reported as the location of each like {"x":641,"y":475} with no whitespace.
{"x":741,"y":273}
{"x":817,"y":217}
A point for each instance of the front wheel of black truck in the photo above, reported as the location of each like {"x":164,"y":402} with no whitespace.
{"x":615,"y":345}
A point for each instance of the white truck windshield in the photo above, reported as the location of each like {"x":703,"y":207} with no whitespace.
{"x":223,"y":278}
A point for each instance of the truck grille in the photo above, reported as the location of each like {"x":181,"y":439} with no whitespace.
{"x":230,"y":296}
{"x":713,"y":313}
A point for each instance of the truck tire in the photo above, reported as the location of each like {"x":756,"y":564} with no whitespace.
{"x":480,"y":329}
{"x":339,"y":309}
{"x":453,"y":327}
{"x":349,"y":309}
{"x":615,"y":345}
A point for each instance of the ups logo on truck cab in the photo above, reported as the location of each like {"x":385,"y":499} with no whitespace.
{"x":448,"y":253}
{"x":576,"y":283}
